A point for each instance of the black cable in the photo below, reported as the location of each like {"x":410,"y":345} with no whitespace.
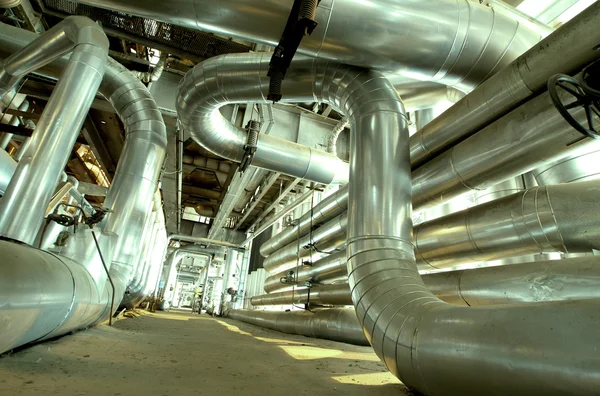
{"x":112,"y":300}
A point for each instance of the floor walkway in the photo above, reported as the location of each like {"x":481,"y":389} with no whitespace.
{"x":180,"y":354}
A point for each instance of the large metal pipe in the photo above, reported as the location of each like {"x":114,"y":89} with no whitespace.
{"x":25,"y":200}
{"x":567,"y":50}
{"x":130,"y":196}
{"x":537,"y":220}
{"x":331,"y":324}
{"x":43,"y":296}
{"x":460,"y":42}
{"x":434,"y":347}
{"x":540,"y":281}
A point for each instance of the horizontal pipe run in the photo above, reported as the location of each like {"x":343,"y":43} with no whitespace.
{"x":321,"y":242}
{"x":525,"y":77}
{"x":324,"y":211}
{"x":331,"y":324}
{"x":460,"y":42}
{"x":43,"y":296}
{"x":540,"y":281}
{"x":317,"y":295}
{"x":537,"y":220}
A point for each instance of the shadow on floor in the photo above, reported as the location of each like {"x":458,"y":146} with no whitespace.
{"x":183,"y":354}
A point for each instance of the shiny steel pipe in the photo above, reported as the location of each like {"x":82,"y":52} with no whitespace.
{"x":7,"y":170}
{"x":560,"y":218}
{"x":540,"y":281}
{"x":242,"y":78}
{"x":43,"y":296}
{"x":207,"y":241}
{"x":318,"y":295}
{"x":434,"y":347}
{"x":460,"y":42}
{"x":324,"y":211}
{"x":293,"y":205}
{"x":527,"y":138}
{"x":313,"y":246}
{"x":331,"y":324}
{"x":329,"y":269}
{"x":525,"y":77}
{"x":22,"y":207}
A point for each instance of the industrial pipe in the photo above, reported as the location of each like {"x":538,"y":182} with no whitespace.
{"x":331,"y":324}
{"x":7,"y":170}
{"x":431,"y":346}
{"x":22,"y":207}
{"x":524,"y":78}
{"x":460,"y":42}
{"x":198,"y":103}
{"x":540,"y":281}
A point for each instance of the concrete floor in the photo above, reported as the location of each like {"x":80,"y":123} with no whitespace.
{"x":183,"y":354}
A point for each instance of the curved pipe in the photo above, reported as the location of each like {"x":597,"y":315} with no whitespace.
{"x":431,"y":346}
{"x":216,"y":82}
{"x":131,"y":192}
{"x":459,"y":42}
{"x":25,"y":200}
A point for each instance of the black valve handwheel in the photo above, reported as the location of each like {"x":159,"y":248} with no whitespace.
{"x":562,"y":82}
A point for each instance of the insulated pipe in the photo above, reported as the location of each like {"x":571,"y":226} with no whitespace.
{"x":554,"y":280}
{"x":505,"y":149}
{"x":318,"y":243}
{"x":329,"y":269}
{"x":335,"y":134}
{"x":459,"y":42}
{"x":331,"y":324}
{"x":131,"y":192}
{"x":215,"y":83}
{"x":43,"y":296}
{"x":324,"y":211}
{"x":269,"y":223}
{"x":7,"y":170}
{"x":318,"y":295}
{"x":560,"y":218}
{"x":567,"y":50}
{"x":249,"y":189}
{"x":434,"y":347}
{"x":130,"y":196}
{"x":22,"y":207}
{"x":207,"y":241}
{"x":537,"y":220}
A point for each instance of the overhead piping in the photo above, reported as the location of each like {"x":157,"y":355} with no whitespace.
{"x":460,"y":42}
{"x":525,"y":77}
{"x":25,"y":200}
